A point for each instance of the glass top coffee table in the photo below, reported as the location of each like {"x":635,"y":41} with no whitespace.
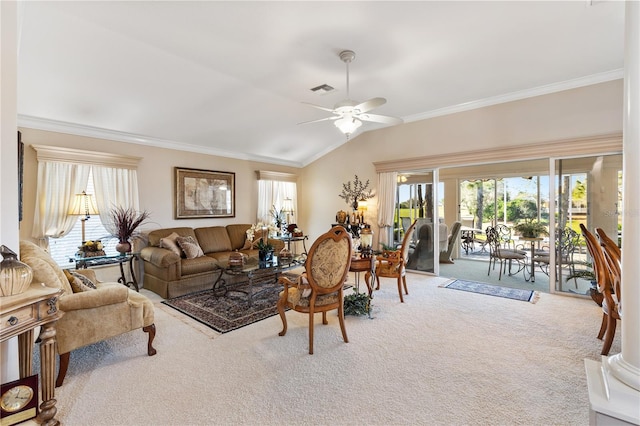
{"x":252,"y":274}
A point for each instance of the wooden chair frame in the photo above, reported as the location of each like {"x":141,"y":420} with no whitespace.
{"x":308,"y":282}
{"x":394,"y":264}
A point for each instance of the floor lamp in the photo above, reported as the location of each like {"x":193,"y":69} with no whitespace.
{"x":84,"y":205}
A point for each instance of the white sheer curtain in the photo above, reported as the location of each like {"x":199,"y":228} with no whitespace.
{"x":114,"y":187}
{"x":57,"y":185}
{"x":387,"y":187}
{"x":273,"y":193}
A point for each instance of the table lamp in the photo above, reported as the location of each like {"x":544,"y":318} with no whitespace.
{"x":84,"y":205}
{"x":366,"y":240}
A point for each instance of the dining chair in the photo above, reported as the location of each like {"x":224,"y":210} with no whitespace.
{"x":320,"y":287}
{"x":606,"y":267}
{"x":497,"y":253}
{"x":394,"y":264}
{"x":567,"y":241}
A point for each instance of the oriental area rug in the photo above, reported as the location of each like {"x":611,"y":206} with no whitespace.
{"x":230,"y":311}
{"x":494,"y":290}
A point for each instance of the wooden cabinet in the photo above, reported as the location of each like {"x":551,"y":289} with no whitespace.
{"x":20,"y":315}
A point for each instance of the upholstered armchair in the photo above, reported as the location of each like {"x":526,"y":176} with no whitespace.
{"x":92,"y":315}
{"x":320,"y":287}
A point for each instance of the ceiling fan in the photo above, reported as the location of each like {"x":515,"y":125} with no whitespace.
{"x":349,"y":114}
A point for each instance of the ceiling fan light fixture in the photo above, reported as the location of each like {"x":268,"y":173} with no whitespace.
{"x":347,"y":125}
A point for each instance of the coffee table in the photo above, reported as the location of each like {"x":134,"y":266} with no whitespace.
{"x":252,"y":272}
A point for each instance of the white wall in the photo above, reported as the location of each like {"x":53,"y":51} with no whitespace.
{"x":587,"y":111}
{"x":155,"y":177}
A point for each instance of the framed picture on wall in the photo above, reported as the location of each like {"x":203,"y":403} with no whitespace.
{"x":204,"y":193}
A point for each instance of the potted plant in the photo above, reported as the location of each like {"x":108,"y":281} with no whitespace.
{"x":357,"y":304}
{"x":126,"y":222}
{"x":531,"y":228}
{"x":265,"y":250}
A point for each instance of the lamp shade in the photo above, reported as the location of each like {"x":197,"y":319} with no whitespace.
{"x":83,"y":205}
{"x":347,"y":124}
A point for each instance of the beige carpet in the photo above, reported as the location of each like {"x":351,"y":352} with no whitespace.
{"x":442,"y":358}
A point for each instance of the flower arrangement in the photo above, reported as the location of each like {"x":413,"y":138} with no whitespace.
{"x":258,"y":227}
{"x":278,"y":216}
{"x":126,"y":222}
{"x":91,"y":249}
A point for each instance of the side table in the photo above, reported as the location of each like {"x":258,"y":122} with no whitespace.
{"x":366,"y":265}
{"x":120,"y":259}
{"x":38,"y":306}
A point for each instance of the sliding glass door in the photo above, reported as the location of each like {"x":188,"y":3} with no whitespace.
{"x":589,"y":192}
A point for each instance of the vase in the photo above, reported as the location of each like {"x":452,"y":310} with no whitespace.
{"x":15,"y":276}
{"x":265,"y":256}
{"x":123,"y":247}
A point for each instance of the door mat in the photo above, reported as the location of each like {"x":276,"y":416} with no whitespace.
{"x":231,"y":311}
{"x":494,"y":290}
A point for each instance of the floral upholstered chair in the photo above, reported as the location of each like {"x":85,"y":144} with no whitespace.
{"x":320,"y":287}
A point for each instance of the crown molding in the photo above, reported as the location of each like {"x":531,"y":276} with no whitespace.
{"x":38,"y":123}
{"x":522,"y":94}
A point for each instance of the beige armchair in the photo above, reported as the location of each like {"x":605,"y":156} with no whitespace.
{"x":90,"y":316}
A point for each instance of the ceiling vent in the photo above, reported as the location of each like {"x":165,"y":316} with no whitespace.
{"x":322,"y":89}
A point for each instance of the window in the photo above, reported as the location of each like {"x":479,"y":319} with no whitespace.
{"x":63,"y":249}
{"x":65,"y":172}
{"x":277,"y":190}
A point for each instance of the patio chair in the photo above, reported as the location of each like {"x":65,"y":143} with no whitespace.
{"x":452,"y":240}
{"x":567,"y":241}
{"x":505,"y":256}
{"x":320,"y":287}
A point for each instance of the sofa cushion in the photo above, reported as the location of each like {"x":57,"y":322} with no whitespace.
{"x":190,"y":247}
{"x":170,"y":243}
{"x":78,"y":286}
{"x":45,"y":269}
{"x":154,"y":236}
{"x":198,"y":265}
{"x":238,"y":235}
{"x":86,"y":283}
{"x":213,"y":239}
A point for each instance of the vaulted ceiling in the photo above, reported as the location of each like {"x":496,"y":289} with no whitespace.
{"x":229,"y":77}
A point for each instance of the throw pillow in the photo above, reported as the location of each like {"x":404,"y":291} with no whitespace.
{"x":169,"y":242}
{"x":248,"y":245}
{"x":190,"y":247}
{"x":78,"y":286}
{"x":68,"y":275}
{"x":86,"y":282}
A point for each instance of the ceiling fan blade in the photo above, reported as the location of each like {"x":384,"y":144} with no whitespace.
{"x":380,"y":118}
{"x":369,"y":105}
{"x":321,"y":119}
{"x":318,"y":106}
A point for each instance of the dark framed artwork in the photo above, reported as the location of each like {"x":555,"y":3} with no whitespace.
{"x":20,"y":174}
{"x":204,"y":193}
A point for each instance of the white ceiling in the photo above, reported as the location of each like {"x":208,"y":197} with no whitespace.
{"x":228,"y":78}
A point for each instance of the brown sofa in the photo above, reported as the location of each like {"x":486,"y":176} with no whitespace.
{"x":171,"y":275}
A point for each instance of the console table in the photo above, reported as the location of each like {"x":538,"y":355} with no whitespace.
{"x":120,"y":259}
{"x":38,"y":306}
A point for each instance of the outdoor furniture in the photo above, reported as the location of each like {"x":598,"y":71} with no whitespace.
{"x":320,"y":287}
{"x":567,"y":241}
{"x":504,"y":256}
{"x":394,"y":264}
